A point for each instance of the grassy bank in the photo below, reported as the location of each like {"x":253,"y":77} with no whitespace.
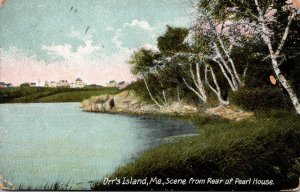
{"x":43,"y":94}
{"x":267,"y":148}
{"x":48,"y":187}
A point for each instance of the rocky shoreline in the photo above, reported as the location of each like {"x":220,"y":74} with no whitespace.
{"x":127,"y":102}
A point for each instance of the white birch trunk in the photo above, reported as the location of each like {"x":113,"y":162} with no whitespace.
{"x":274,"y":55}
{"x":165,"y":98}
{"x":227,"y":67}
{"x":216,"y":90}
{"x":200,"y":90}
{"x":200,"y":87}
{"x":178,"y":94}
{"x":236,"y":75}
{"x":150,"y":94}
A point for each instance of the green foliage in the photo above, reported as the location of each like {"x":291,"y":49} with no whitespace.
{"x":266,"y":98}
{"x":291,"y":68}
{"x":140,"y":90}
{"x":25,"y":85}
{"x":267,"y":148}
{"x":172,"y":40}
{"x":142,"y":60}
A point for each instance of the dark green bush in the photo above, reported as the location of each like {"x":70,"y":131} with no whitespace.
{"x":261,"y":99}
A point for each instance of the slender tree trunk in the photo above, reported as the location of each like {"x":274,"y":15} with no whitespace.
{"x":199,"y":91}
{"x":236,"y":75}
{"x":231,"y":84}
{"x":216,"y":90}
{"x":274,"y":55}
{"x":150,"y":94}
{"x":178,"y":94}
{"x":200,"y":83}
{"x":234,"y":80}
{"x":165,"y":97}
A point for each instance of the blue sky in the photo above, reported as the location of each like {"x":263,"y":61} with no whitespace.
{"x":73,"y":38}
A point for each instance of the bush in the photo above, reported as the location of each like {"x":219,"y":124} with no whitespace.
{"x":261,"y":99}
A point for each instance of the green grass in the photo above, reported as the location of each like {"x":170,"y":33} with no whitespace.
{"x":35,"y":94}
{"x":265,"y":148}
{"x":75,"y":96}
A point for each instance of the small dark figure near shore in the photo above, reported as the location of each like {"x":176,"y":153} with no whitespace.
{"x":111,"y":103}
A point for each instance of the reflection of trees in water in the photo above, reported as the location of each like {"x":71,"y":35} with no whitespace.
{"x":156,"y":130}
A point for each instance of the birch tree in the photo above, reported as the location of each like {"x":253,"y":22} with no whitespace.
{"x":216,"y":87}
{"x":218,"y":29}
{"x":143,"y":65}
{"x":275,"y":51}
{"x":262,"y":16}
{"x":176,"y":52}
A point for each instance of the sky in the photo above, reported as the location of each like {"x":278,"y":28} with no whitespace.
{"x":65,"y":39}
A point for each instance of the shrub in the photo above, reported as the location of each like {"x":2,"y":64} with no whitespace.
{"x":260,"y":99}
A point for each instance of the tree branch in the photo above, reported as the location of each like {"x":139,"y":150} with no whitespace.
{"x":285,"y":35}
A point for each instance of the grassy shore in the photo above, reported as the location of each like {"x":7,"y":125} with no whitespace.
{"x":43,"y":94}
{"x":266,"y":148}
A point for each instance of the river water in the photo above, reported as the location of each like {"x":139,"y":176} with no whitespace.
{"x":46,"y":143}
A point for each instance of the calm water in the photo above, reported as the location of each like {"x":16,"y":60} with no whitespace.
{"x":45,"y":143}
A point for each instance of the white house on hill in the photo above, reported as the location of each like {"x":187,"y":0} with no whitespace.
{"x":50,"y":84}
{"x":78,"y":84}
{"x":63,"y":83}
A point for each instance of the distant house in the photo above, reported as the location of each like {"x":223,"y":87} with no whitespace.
{"x":2,"y":85}
{"x":8,"y":85}
{"x":122,"y":85}
{"x":52,"y":84}
{"x":72,"y":85}
{"x":112,"y":83}
{"x":32,"y":84}
{"x":63,"y":83}
{"x":5,"y":85}
{"x":40,"y":83}
{"x":79,"y":83}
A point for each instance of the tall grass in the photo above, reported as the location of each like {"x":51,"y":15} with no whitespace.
{"x":265,"y":148}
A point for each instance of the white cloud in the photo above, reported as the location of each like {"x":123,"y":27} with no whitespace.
{"x":82,"y":53}
{"x":116,"y":38}
{"x":150,"y":46}
{"x":140,"y":24}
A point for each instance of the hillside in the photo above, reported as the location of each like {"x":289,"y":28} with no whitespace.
{"x":43,"y":94}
